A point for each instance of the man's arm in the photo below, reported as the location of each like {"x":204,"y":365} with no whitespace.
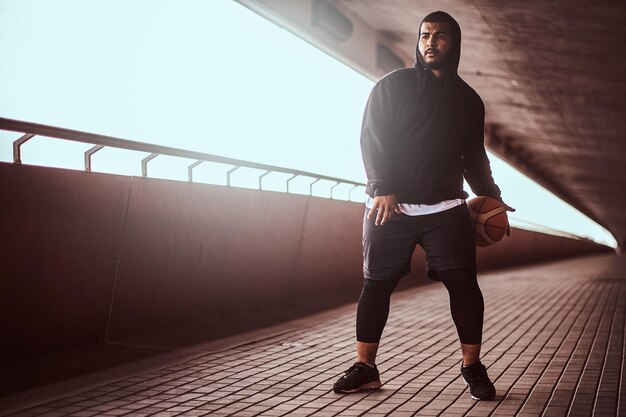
{"x":377,"y":133}
{"x":476,"y":167}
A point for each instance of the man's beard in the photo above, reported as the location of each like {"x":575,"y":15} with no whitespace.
{"x":440,"y":63}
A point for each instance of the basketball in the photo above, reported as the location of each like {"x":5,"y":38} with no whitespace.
{"x":489,"y":220}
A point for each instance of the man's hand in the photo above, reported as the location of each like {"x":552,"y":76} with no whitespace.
{"x":385,"y":207}
{"x":508,"y":226}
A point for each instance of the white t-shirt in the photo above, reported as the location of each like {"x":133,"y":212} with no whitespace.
{"x":422,"y":209}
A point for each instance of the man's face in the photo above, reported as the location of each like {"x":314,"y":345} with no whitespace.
{"x":434,"y":42}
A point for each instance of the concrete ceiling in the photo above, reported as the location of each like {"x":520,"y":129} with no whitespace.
{"x":552,"y":75}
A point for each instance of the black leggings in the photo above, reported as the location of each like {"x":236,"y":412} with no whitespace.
{"x":466,"y":306}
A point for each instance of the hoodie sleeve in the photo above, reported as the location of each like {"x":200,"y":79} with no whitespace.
{"x":377,"y":136}
{"x":476,"y":168}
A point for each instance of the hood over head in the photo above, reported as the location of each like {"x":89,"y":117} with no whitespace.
{"x":452,"y":57}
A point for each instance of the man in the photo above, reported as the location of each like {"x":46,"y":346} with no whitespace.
{"x":422,"y":133}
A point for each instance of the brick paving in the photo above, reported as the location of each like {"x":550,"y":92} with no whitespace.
{"x":554,"y":344}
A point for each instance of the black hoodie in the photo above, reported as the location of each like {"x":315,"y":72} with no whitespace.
{"x":422,"y":134}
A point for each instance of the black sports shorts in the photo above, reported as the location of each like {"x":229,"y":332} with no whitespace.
{"x":446,"y":237}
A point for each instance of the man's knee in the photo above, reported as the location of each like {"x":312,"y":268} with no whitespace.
{"x":459,"y":279}
{"x":378,"y":288}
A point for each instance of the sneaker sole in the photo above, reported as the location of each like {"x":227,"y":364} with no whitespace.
{"x":476,"y":398}
{"x":368,"y":386}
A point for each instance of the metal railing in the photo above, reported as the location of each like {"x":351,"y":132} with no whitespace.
{"x":30,"y":130}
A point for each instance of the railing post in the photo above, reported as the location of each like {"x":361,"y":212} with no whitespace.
{"x":350,"y":192}
{"x":230,"y":171}
{"x":191,"y":167}
{"x":88,"y":155}
{"x":261,"y":180}
{"x":332,"y":189}
{"x":17,"y":157}
{"x":289,"y":180}
{"x":311,"y":186}
{"x":144,"y":163}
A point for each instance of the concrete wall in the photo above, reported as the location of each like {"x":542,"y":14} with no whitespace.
{"x":88,"y":257}
{"x":59,"y":245}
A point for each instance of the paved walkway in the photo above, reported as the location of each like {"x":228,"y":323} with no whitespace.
{"x":554,"y":343}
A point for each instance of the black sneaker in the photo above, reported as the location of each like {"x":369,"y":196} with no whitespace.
{"x":360,"y":376}
{"x":481,"y":387}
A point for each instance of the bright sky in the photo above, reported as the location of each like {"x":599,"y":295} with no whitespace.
{"x":205,"y":75}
